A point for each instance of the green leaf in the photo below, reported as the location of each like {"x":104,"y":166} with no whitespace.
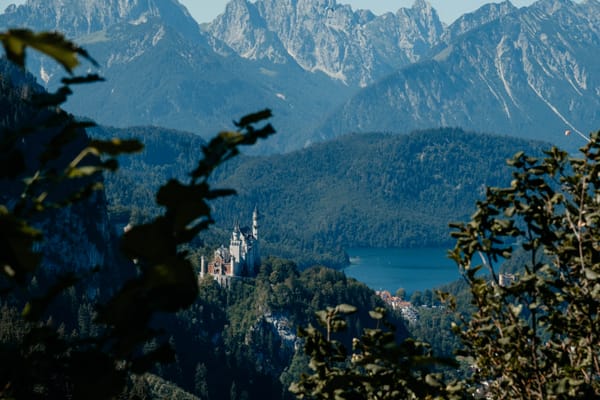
{"x":253,"y":118}
{"x":346,"y":309}
{"x":81,"y":172}
{"x":115,"y":146}
{"x":432,"y":381}
{"x":591,"y":274}
{"x":53,"y":44}
{"x":376,"y":315}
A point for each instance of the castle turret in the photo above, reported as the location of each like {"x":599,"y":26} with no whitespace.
{"x":235,"y":249}
{"x":255,"y":217}
{"x":255,"y":246}
{"x":203,"y":267}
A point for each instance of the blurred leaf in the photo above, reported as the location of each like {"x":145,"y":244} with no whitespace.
{"x":12,"y":164}
{"x":46,"y":99}
{"x":150,"y":241}
{"x":89,"y":78}
{"x":17,"y":257}
{"x":253,"y":118}
{"x":35,"y":308}
{"x":115,"y":146}
{"x":53,"y":44}
{"x":346,"y":308}
{"x":376,"y":314}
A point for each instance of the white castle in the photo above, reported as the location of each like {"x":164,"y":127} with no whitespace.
{"x":241,"y":259}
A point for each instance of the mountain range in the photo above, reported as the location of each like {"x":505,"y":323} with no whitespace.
{"x":355,"y":47}
{"x":326,"y":69}
{"x":164,"y":71}
{"x":531,"y":73}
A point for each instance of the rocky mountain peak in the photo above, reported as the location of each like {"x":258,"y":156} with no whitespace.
{"x":483,"y":15}
{"x":421,"y":5}
{"x":531,"y":71}
{"x":77,"y":18}
{"x":355,"y":47}
{"x":243,"y":29}
{"x":424,"y":21}
{"x":551,"y":6}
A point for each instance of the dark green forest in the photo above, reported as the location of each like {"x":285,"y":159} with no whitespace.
{"x":371,"y":190}
{"x":240,"y":339}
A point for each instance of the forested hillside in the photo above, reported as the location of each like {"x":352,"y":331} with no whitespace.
{"x":528,"y":73}
{"x":372,"y":190}
{"x":25,"y":150}
{"x":377,"y":190}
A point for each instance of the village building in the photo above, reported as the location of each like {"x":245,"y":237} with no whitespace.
{"x":408,"y":311}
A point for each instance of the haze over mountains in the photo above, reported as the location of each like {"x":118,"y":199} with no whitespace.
{"x":530,"y":73}
{"x":355,"y":47}
{"x":327,"y":70}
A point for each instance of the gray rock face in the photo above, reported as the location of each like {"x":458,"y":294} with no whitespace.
{"x":481,"y":16}
{"x":531,"y":73}
{"x":355,"y":47}
{"x":76,"y":18}
{"x":500,"y":69}
{"x":162,"y":71}
{"x":245,"y":31}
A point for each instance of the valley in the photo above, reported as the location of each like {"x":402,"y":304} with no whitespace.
{"x":379,"y":136}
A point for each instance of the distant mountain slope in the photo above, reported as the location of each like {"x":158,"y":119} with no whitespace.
{"x":373,"y":189}
{"x":477,"y":18}
{"x":531,"y":73}
{"x":528,"y":72}
{"x":160,"y":78}
{"x":355,"y":47}
{"x":161,"y":70}
{"x":80,"y":17}
{"x":357,"y":190}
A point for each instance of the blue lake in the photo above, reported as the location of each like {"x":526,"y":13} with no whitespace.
{"x":411,"y":269}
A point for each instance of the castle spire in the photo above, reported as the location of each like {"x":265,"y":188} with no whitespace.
{"x":255,"y":217}
{"x":235,"y":234}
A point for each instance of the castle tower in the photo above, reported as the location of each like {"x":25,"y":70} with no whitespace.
{"x":255,"y":217}
{"x":203,"y":267}
{"x":255,"y":246}
{"x":235,"y":249}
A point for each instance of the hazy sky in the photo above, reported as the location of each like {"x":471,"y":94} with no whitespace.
{"x":449,"y":10}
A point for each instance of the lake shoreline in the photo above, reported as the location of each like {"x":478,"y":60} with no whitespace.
{"x":412,"y":269}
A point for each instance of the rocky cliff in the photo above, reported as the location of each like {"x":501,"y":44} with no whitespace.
{"x":353,"y":46}
{"x":161,"y":70}
{"x":76,"y":18}
{"x":529,"y":73}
